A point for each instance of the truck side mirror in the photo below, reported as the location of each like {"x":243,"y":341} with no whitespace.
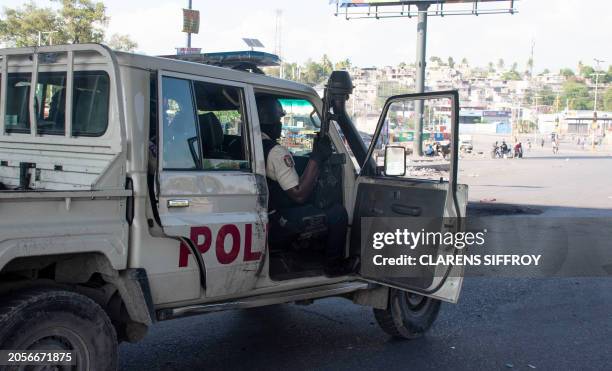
{"x":395,"y":161}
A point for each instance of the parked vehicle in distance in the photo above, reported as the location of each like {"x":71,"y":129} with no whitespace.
{"x":466,"y":144}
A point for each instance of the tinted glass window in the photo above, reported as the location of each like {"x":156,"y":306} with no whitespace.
{"x":17,"y":117}
{"x":301,"y":124}
{"x":51,"y":103}
{"x":90,"y":103}
{"x":180,"y":140}
{"x":222,"y":129}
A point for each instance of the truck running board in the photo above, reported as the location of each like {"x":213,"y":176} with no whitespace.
{"x":317,"y":292}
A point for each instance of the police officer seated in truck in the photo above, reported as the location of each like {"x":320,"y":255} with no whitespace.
{"x":291,"y":214}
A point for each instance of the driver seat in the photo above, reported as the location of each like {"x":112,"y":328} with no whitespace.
{"x":211,"y":133}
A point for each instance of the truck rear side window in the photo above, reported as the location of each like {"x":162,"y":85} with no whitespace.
{"x":17,"y":118}
{"x":50,"y":103}
{"x":89,"y":105}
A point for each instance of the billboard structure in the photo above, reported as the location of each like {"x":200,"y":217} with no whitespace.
{"x":421,"y":9}
{"x":353,"y":9}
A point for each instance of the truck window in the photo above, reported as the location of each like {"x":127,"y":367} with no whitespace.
{"x":51,"y":103}
{"x":222,"y":126}
{"x":17,"y":119}
{"x":89,"y":106}
{"x":180,"y":139}
{"x":90,"y":103}
{"x":301,"y":124}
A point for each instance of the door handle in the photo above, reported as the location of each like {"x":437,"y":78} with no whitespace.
{"x":178,"y":203}
{"x":406,"y":210}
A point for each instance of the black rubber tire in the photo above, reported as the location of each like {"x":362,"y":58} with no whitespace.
{"x":54,"y":319}
{"x":408,"y":316}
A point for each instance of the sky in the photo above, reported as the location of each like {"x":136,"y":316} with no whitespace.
{"x":564,"y":31}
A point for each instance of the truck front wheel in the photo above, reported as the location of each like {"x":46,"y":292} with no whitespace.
{"x":60,"y":321}
{"x":408,"y":315}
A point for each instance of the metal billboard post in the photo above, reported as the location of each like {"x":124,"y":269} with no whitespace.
{"x":421,"y":62}
{"x":189,"y":33}
{"x":380,"y":9}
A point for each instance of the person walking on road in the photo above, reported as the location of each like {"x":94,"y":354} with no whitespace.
{"x":542,"y":143}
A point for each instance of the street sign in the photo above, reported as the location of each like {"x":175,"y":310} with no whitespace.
{"x":191,"y":21}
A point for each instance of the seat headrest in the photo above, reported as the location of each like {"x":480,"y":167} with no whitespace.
{"x":211,"y":131}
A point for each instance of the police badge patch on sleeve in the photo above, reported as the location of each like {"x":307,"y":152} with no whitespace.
{"x":288,"y":161}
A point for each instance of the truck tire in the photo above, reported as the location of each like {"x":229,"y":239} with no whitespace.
{"x":408,"y":315}
{"x":54,"y":319}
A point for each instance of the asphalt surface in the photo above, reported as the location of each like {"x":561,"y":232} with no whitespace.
{"x":499,"y":323}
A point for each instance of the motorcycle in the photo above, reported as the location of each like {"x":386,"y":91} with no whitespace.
{"x":443,"y":150}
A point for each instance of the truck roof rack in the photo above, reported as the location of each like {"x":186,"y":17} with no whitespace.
{"x":248,"y":60}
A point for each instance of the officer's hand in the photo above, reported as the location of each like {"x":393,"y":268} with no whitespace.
{"x":321,"y":149}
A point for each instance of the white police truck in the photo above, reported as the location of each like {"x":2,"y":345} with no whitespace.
{"x":133,"y":190}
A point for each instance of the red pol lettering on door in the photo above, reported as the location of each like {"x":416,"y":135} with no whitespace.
{"x":202,"y":238}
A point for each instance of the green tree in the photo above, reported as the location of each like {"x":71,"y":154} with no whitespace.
{"x":464,"y":61}
{"x":83,"y":21}
{"x":402,"y":65}
{"x":75,"y":21}
{"x":21,"y":26}
{"x":530,"y":65}
{"x":313,"y":73}
{"x":547,"y":96}
{"x":343,"y":65}
{"x":435,"y":59}
{"x":587,"y":72}
{"x":514,"y":66}
{"x":491,"y":67}
{"x":451,"y":62}
{"x":566,"y":72}
{"x":511,"y":75}
{"x":608,"y":76}
{"x":326,"y":65}
{"x":576,"y":94}
{"x":607,"y":99}
{"x":500,"y":63}
{"x":122,"y":42}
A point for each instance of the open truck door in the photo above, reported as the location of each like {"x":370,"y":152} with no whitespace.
{"x":400,"y":186}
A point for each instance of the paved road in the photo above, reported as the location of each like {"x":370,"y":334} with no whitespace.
{"x":550,"y":324}
{"x":498,"y":324}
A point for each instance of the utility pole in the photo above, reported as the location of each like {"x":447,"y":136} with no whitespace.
{"x":420,"y":76}
{"x":189,"y":34}
{"x":278,"y":32}
{"x":532,"y":62}
{"x":594,"y":126}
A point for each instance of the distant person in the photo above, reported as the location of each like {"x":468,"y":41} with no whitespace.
{"x":504,"y":147}
{"x":555,"y":146}
{"x":429,"y":150}
{"x":542,"y":143}
{"x":528,"y":144}
{"x":518,"y":150}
